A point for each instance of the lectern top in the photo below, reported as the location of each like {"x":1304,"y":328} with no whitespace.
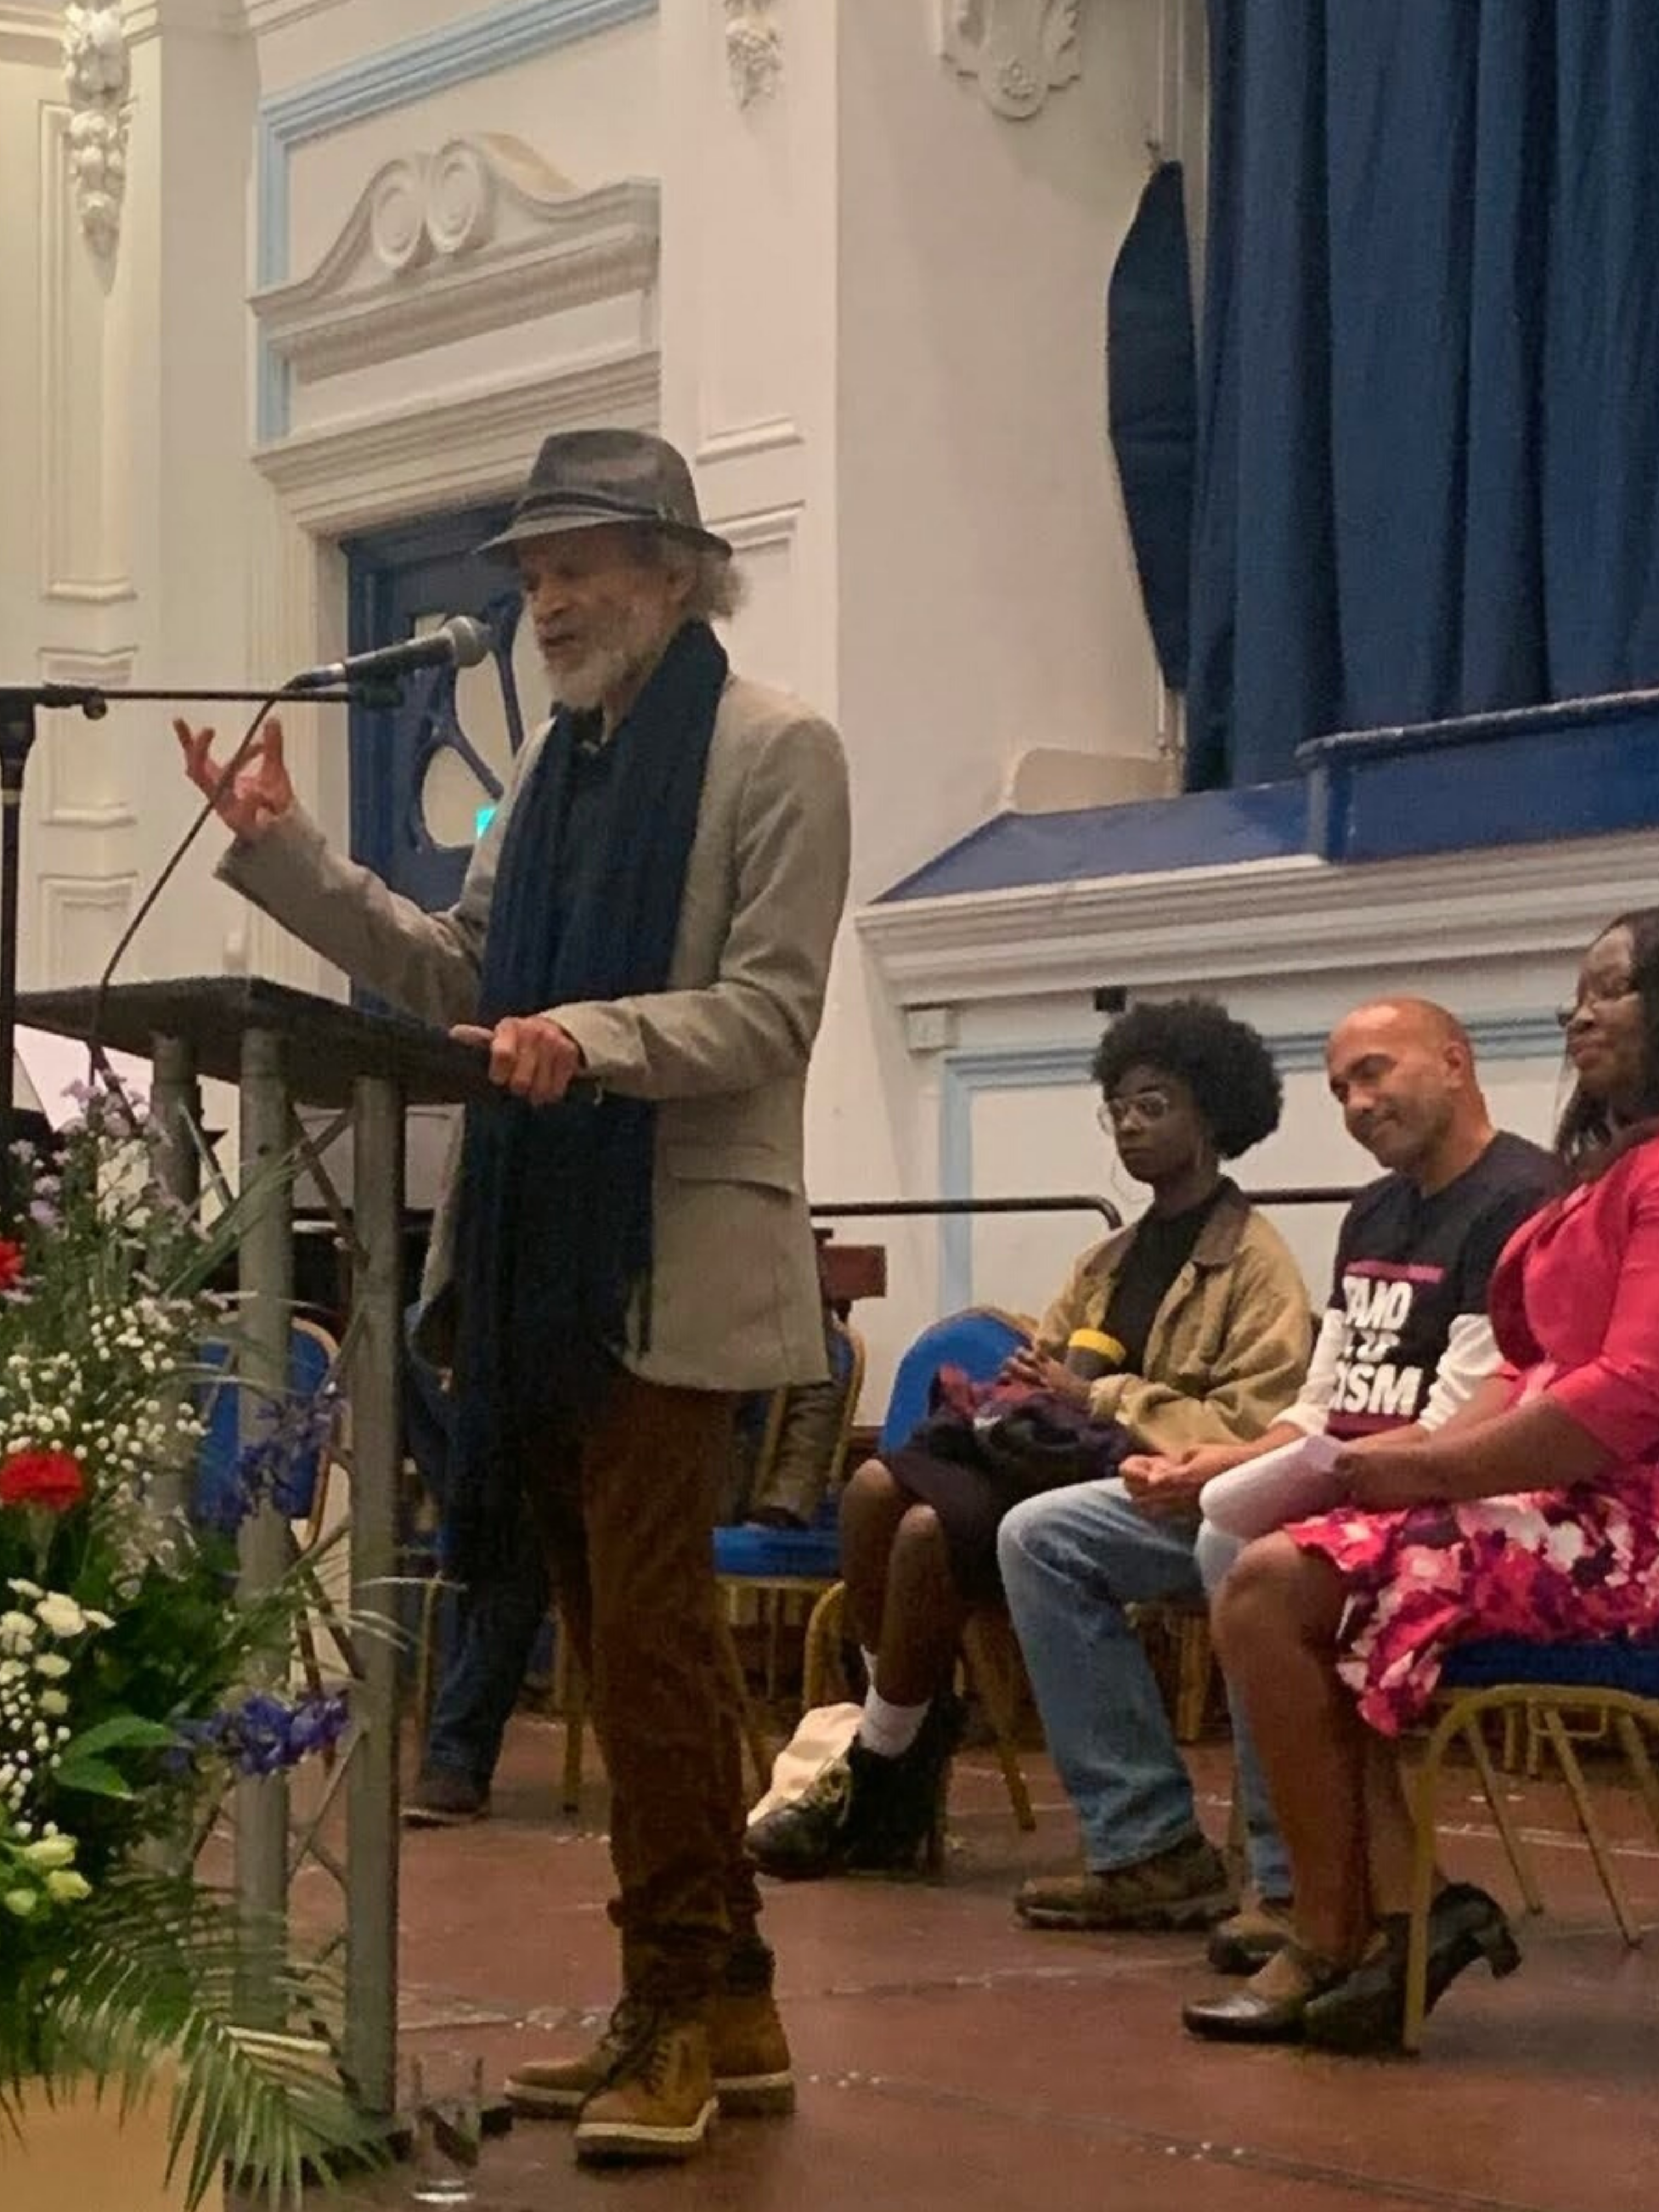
{"x":326,"y":1046}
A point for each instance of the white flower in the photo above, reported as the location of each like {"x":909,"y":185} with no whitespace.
{"x":68,"y":1887}
{"x":52,"y":1665}
{"x":19,"y":1588}
{"x":22,"y":1902}
{"x":53,"y":1702}
{"x":51,"y":1851}
{"x":60,"y":1615}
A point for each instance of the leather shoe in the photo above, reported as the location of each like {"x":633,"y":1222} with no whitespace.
{"x":1273,"y":2004}
{"x":1367,"y":2012}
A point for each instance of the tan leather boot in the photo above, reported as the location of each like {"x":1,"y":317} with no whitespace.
{"x":748,"y":2048}
{"x":659,"y":2100}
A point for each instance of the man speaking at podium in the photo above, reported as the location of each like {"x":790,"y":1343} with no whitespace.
{"x":642,"y":941}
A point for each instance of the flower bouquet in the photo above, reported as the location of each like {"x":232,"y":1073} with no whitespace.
{"x":135,"y":1683}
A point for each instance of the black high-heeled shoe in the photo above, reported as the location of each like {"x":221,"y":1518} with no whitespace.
{"x":1367,"y":2012}
{"x":1247,"y":2015}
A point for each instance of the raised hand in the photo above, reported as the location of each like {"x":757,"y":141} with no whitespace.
{"x":258,"y":793}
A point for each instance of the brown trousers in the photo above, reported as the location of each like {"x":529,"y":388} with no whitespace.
{"x":627,"y":1507}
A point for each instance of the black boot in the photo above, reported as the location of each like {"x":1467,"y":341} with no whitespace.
{"x":863,"y":1813}
{"x":897,"y":1801}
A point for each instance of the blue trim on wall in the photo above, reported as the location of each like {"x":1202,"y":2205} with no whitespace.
{"x":476,"y":46}
{"x":965,"y":1074}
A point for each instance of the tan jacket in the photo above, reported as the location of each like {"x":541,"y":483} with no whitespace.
{"x":735,"y":1299}
{"x":1227,"y":1348}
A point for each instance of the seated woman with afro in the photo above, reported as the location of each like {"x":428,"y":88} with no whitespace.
{"x":1205,"y":1321}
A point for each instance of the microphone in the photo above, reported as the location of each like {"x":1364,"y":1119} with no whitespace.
{"x":460,"y":643}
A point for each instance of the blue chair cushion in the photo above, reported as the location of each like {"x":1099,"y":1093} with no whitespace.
{"x":814,"y":1552}
{"x":978,"y":1343}
{"x":1615,"y":1664}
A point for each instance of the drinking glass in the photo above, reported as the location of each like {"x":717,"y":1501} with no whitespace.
{"x":444,"y":2099}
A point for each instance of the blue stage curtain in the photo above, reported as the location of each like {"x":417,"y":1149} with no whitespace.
{"x":1152,"y":407}
{"x":1428,"y":434}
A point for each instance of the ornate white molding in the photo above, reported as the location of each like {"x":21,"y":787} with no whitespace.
{"x":83,"y":784}
{"x":1267,"y":919}
{"x":81,"y":918}
{"x":754,"y":49}
{"x":366,"y":470}
{"x":98,"y":71}
{"x":479,"y":236}
{"x":34,"y":36}
{"x":1019,"y":50}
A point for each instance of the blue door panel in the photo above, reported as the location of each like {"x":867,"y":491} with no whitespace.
{"x":397,"y":576}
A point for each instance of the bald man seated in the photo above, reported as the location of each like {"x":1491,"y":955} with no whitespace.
{"x":1403,"y":1343}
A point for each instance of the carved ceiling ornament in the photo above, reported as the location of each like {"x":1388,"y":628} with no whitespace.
{"x":447,"y":202}
{"x":444,"y":246}
{"x":754,"y":49}
{"x":98,"y":72}
{"x":1020,"y":51}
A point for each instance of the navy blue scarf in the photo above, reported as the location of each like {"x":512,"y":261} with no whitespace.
{"x":556,"y":1233}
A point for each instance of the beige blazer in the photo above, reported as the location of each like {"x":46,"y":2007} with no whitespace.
{"x":1228,"y":1346}
{"x":724,"y":1049}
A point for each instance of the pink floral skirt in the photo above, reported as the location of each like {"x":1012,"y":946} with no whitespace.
{"x":1554,"y":1566}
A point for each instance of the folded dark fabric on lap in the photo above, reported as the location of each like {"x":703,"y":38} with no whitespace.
{"x":1034,"y":1440}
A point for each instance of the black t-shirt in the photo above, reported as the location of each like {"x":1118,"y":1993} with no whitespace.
{"x":1160,"y":1248}
{"x":1407,"y":1266}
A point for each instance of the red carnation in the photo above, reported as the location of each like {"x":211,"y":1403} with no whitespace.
{"x":51,"y":1481}
{"x":11,"y":1263}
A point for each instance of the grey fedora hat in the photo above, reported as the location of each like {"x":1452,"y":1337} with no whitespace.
{"x":584,"y":477}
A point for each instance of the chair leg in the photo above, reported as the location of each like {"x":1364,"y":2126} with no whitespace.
{"x":1635,"y":1754}
{"x":754,"y":1736}
{"x":824,"y":1630}
{"x":1561,"y":1744}
{"x":993,"y":1689}
{"x":1423,"y":1858}
{"x":1520,"y":1858}
{"x":1194,"y":1660}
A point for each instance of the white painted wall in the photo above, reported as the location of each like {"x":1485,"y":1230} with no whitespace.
{"x":876,"y":328}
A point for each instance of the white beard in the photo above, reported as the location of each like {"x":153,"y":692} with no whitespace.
{"x":633,"y":649}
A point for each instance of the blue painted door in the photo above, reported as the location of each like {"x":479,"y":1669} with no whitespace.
{"x":426,"y":773}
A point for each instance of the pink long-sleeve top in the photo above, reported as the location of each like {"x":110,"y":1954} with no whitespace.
{"x":1574,"y":1303}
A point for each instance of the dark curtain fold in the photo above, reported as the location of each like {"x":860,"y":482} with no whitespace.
{"x":1429,"y":449}
{"x":1152,"y":404}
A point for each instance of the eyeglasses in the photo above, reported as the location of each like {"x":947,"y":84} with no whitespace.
{"x":1593,"y":994}
{"x":1143,"y":1106}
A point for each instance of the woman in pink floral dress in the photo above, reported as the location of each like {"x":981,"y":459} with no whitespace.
{"x":1333,"y":1632}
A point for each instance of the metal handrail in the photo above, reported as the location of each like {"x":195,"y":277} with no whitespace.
{"x":1310,"y":1193}
{"x":877,"y":1209}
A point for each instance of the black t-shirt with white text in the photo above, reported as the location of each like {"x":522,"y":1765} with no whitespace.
{"x":1407,"y":1266}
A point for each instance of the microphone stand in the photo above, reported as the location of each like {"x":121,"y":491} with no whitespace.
{"x":20,"y":707}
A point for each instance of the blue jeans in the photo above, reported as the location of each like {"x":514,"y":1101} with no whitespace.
{"x":486,"y":1636}
{"x":1071,"y":1561}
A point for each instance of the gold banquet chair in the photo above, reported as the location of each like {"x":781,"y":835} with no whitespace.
{"x":977,"y":1340}
{"x":1614,"y":1683}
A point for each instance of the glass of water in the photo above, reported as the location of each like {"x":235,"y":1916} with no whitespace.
{"x":444,"y":2100}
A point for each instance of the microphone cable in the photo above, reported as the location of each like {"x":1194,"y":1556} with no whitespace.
{"x":98,"y":1059}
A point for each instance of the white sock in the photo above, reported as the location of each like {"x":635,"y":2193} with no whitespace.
{"x":890,"y":1731}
